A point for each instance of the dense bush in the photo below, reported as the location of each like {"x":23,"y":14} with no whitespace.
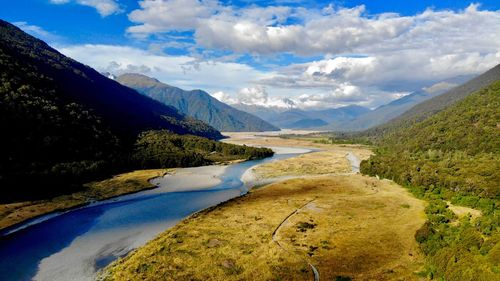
{"x":155,"y":149}
{"x":63,"y":123}
{"x":454,"y":156}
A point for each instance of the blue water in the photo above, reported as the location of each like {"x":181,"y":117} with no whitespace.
{"x":76,"y":244}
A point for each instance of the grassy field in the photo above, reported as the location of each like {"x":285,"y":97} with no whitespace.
{"x":346,"y":226}
{"x":324,"y":162}
{"x":249,"y":138}
{"x":13,"y":213}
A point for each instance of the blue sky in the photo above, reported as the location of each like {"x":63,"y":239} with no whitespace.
{"x":318,"y":53}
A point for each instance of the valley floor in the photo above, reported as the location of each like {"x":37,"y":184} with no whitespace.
{"x":339,"y":223}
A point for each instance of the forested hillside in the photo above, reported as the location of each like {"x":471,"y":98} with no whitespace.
{"x":454,"y":156}
{"x":381,"y":114}
{"x":161,"y":149}
{"x":64,"y":123}
{"x":434,"y":105}
{"x":197,"y":104}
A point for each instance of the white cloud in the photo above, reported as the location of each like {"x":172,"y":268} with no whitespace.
{"x":175,"y":70}
{"x":337,"y":96}
{"x":393,"y":53}
{"x":264,"y":30}
{"x":224,"y":97}
{"x":37,"y":31}
{"x":367,"y":59}
{"x":161,"y":16}
{"x":103,"y":7}
{"x":439,"y":87}
{"x":257,"y":95}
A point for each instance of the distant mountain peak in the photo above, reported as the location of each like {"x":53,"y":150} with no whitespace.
{"x":140,"y":80}
{"x":196,"y":103}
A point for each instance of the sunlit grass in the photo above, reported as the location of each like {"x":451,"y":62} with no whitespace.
{"x":354,"y":226}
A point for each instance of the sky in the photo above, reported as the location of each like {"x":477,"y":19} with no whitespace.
{"x":305,"y":54}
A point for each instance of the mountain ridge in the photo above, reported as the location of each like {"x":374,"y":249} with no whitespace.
{"x":288,"y":118}
{"x":196,"y":103}
{"x":382,"y":113}
{"x":436,"y":104}
{"x":65,"y":122}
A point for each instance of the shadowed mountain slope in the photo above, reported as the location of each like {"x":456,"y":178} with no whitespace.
{"x":197,"y":104}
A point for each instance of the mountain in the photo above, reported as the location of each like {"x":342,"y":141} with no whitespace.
{"x":264,"y":112}
{"x":307,"y":123}
{"x":197,"y":104}
{"x":381,"y":114}
{"x":63,"y":122}
{"x":452,"y":156}
{"x":294,"y":118}
{"x":434,"y":105}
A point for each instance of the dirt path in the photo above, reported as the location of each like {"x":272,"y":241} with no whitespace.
{"x":276,"y":240}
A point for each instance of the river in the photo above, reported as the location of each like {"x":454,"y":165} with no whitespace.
{"x":74,"y":245}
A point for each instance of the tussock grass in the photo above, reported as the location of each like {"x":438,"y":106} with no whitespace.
{"x":353,"y":227}
{"x":317,"y":163}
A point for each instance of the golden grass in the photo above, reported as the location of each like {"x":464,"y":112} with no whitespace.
{"x":354,"y":226}
{"x":462,"y":211}
{"x":250,"y":139}
{"x":13,"y":213}
{"x":331,"y":160}
{"x":324,"y":162}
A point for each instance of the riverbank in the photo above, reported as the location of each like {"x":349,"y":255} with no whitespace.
{"x":189,"y":179}
{"x":234,"y":241}
{"x":156,"y":180}
{"x":317,"y":211}
{"x":126,"y":183}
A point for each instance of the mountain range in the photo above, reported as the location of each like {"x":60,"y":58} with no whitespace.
{"x":347,"y":118}
{"x":63,"y":122}
{"x":381,"y":114}
{"x":436,"y":104}
{"x":197,"y":104}
{"x":295,"y":118}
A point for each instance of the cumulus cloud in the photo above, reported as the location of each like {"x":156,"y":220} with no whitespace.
{"x":103,"y":7}
{"x":366,"y":59}
{"x":337,"y":96}
{"x":332,"y":30}
{"x":208,"y":75}
{"x":381,"y":53}
{"x":258,"y":96}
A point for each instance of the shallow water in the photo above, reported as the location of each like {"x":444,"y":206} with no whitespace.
{"x":76,"y":244}
{"x":355,"y":162}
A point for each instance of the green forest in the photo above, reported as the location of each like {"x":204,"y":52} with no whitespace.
{"x":161,"y":149}
{"x":65,"y":124}
{"x":453,"y":156}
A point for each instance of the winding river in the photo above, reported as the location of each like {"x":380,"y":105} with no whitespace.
{"x":74,"y":245}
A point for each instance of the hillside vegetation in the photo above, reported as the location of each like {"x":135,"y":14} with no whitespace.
{"x":381,"y":114}
{"x":434,"y":105}
{"x":161,"y":149}
{"x":454,"y":156}
{"x":65,"y":124}
{"x":197,"y":104}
